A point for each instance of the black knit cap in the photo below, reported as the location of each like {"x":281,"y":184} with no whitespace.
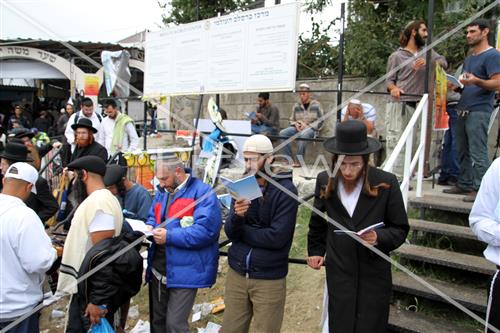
{"x":114,"y":173}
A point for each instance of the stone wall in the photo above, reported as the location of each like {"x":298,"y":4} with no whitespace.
{"x":236,"y":104}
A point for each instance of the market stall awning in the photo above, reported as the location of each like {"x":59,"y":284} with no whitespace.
{"x":28,"y":69}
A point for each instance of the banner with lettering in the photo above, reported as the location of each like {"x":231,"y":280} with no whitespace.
{"x":441,"y":88}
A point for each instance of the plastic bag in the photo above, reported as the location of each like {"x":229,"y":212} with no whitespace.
{"x":102,"y":327}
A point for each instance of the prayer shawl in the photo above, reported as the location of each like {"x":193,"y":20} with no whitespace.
{"x":75,"y":246}
{"x":119,"y":131}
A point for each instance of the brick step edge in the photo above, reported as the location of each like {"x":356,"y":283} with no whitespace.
{"x":442,"y":229}
{"x":404,"y":321}
{"x":471,"y":298}
{"x":445,"y":258}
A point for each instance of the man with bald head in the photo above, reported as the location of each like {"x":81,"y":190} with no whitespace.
{"x":98,"y":217}
{"x":186,"y":220}
{"x":27,"y":252}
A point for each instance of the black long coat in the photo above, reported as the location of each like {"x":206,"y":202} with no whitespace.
{"x":94,"y":148}
{"x":359,"y":281}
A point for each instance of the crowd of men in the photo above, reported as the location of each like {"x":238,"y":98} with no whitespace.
{"x":100,"y":266}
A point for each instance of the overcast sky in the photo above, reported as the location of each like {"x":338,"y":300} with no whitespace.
{"x":94,"y":20}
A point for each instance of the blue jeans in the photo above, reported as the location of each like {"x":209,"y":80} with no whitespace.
{"x":301,"y":145}
{"x":263,"y":129}
{"x":449,"y":159}
{"x":472,"y":147}
{"x":28,"y":325}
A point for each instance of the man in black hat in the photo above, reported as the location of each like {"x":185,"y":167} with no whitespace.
{"x":85,"y":141}
{"x":43,"y":202}
{"x":98,"y":217}
{"x":360,"y":196}
{"x":135,"y":199}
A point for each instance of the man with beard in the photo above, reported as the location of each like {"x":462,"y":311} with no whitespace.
{"x":403,"y":81}
{"x":97,"y":217}
{"x":481,"y":78}
{"x":267,"y":116}
{"x":118,"y":130}
{"x":85,"y":141}
{"x":184,"y":256}
{"x":357,"y":197}
{"x":88,"y":113}
{"x":135,"y":199}
{"x":261,"y":232}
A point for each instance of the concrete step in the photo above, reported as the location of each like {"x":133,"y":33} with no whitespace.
{"x":442,"y":229}
{"x":473,"y":298}
{"x":445,"y":258}
{"x":449,"y":203}
{"x":404,"y":321}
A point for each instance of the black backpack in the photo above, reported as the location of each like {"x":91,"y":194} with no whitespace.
{"x":77,"y":116}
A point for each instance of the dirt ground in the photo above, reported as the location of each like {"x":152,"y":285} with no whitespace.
{"x":303,"y":304}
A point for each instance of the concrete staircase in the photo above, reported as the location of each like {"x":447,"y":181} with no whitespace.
{"x":459,"y":271}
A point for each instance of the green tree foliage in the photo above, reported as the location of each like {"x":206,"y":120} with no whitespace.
{"x":373,"y":27}
{"x":185,"y":11}
{"x":317,"y":57}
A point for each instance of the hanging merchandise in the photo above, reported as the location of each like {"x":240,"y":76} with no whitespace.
{"x":116,"y":72}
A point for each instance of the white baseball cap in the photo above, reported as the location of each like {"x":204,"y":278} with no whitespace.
{"x":304,"y":86}
{"x":258,"y":143}
{"x":23,"y":171}
{"x":355,"y":101}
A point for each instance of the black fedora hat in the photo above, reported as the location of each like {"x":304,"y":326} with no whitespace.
{"x":85,"y":123}
{"x":351,"y":139}
{"x":21,"y":132}
{"x":16,"y":152}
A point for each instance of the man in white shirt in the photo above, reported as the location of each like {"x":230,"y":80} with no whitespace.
{"x":364,"y":112}
{"x":26,"y":254}
{"x":98,"y":217}
{"x":86,"y":112}
{"x":484,"y":220}
{"x":118,"y":130}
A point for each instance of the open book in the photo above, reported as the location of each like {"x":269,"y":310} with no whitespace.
{"x":138,"y":225}
{"x":453,"y":80}
{"x":251,"y":115}
{"x":244,"y":188}
{"x":362,"y":231}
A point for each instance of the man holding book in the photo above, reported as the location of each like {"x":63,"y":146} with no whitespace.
{"x":358,"y":197}
{"x":266,"y":119}
{"x":481,"y":78}
{"x":261,"y":232}
{"x":185,"y":220}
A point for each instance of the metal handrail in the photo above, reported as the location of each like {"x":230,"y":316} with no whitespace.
{"x":407,"y":141}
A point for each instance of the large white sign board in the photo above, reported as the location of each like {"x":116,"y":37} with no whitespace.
{"x":250,"y":51}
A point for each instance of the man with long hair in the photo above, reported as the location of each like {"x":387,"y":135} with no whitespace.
{"x":359,"y":196}
{"x":406,"y":84}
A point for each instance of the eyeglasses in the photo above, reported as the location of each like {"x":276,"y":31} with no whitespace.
{"x":354,"y":166}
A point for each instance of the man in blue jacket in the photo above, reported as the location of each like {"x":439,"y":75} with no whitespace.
{"x":261,"y":232}
{"x":186,"y":220}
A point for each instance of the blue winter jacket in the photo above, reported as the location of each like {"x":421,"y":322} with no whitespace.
{"x":261,"y":240}
{"x":192,"y":252}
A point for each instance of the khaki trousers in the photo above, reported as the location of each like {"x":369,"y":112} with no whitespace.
{"x":264,"y":300}
{"x":397,"y":117}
